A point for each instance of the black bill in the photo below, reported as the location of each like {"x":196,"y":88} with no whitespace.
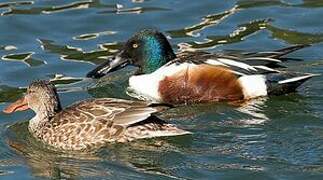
{"x":111,"y":65}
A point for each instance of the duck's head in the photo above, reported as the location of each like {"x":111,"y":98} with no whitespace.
{"x":41,"y":97}
{"x":147,"y":49}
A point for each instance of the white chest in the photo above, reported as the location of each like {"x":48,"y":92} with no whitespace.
{"x":146,"y":87}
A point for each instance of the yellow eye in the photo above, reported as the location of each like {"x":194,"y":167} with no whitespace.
{"x":135,"y":45}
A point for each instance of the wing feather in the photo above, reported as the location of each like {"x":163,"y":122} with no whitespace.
{"x":128,"y":112}
{"x":121,"y":112}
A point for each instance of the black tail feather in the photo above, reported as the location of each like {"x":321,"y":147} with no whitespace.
{"x":285,"y":82}
{"x":277,"y":54}
{"x":271,"y":59}
{"x":288,"y":50}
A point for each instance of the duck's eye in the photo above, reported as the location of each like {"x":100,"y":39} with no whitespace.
{"x":135,"y":45}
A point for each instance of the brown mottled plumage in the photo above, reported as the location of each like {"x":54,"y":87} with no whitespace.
{"x":89,"y":124}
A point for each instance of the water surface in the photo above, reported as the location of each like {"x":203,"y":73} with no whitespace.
{"x":268,"y":138}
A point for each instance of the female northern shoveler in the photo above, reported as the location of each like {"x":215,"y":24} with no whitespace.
{"x":89,"y":124}
{"x":199,"y":76}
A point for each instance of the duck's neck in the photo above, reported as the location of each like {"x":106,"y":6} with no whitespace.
{"x":37,"y":122}
{"x":41,"y":118}
{"x":153,"y":63}
{"x":156,"y":55}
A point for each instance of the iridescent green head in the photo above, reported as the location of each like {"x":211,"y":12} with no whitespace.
{"x":148,"y":49}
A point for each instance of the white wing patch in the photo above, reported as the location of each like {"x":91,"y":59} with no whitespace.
{"x":253,"y":86}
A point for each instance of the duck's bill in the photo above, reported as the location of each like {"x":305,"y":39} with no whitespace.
{"x":111,"y":65}
{"x":19,"y":105}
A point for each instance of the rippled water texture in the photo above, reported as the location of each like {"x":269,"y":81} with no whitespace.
{"x":269,"y":138}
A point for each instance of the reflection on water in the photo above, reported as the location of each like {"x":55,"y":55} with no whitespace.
{"x":254,"y":108}
{"x":89,"y":36}
{"x":9,"y":4}
{"x":24,"y":57}
{"x":294,"y":37}
{"x":265,"y":3}
{"x":266,"y":138}
{"x":238,"y":35}
{"x":12,"y":9}
{"x":77,"y":54}
{"x":207,"y":21}
{"x":10,"y":94}
{"x":115,"y":8}
{"x":134,"y":10}
{"x":8,"y":48}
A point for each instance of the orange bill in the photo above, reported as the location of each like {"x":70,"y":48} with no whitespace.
{"x":20,"y":105}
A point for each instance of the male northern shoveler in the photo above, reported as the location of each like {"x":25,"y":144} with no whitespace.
{"x":199,"y":76}
{"x":89,"y":124}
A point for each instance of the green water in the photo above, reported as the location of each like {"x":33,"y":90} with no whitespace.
{"x":268,"y":138}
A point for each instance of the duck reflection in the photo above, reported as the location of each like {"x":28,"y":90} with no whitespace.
{"x":254,"y":109}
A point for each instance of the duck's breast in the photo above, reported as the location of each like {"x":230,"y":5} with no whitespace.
{"x":187,"y":83}
{"x":147,"y":86}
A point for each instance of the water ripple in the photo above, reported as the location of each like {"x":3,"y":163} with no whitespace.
{"x":267,"y":3}
{"x":207,"y":21}
{"x":89,"y":36}
{"x":294,"y":37}
{"x":20,"y":3}
{"x":243,"y":31}
{"x":70,"y":53}
{"x":119,"y":9}
{"x":56,"y":9}
{"x":23,"y":57}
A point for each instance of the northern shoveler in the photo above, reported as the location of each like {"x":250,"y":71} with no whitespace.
{"x":192,"y":77}
{"x":89,"y":124}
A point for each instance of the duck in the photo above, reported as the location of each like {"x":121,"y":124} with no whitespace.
{"x":200,"y":77}
{"x":89,"y":124}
